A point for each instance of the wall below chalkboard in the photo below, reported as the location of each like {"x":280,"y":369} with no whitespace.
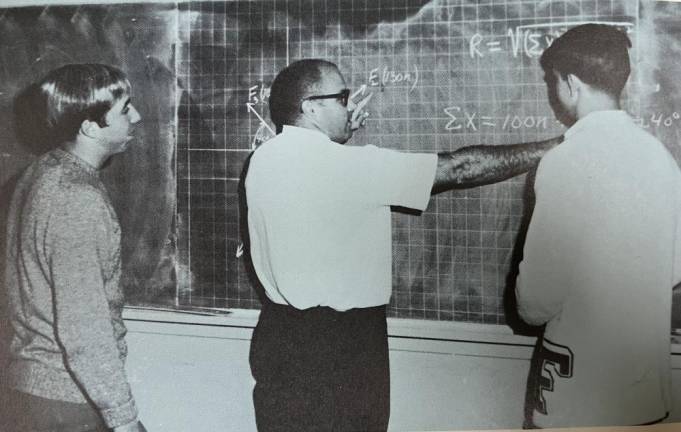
{"x":442,"y":376}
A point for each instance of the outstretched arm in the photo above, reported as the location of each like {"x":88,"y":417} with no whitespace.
{"x":483,"y":164}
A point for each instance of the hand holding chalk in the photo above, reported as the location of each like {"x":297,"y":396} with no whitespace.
{"x":359,"y":115}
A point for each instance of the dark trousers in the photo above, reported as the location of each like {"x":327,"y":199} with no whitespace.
{"x":320,"y":370}
{"x":26,"y":412}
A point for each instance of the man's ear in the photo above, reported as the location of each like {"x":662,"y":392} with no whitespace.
{"x":89,"y":128}
{"x":574,"y":83}
{"x":307,"y":108}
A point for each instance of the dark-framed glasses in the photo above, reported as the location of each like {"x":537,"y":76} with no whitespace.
{"x":343,"y":96}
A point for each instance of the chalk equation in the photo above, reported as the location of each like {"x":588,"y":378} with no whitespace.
{"x":258,"y":94}
{"x":460,"y":120}
{"x":384,"y":77}
{"x":527,"y":40}
{"x":659,"y":120}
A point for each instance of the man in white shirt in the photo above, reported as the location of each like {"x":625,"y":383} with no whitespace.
{"x":320,"y":242}
{"x":602,"y":249}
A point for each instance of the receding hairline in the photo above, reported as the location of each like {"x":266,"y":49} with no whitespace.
{"x":323,"y":69}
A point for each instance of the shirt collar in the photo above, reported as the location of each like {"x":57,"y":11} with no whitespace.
{"x":296,"y":132}
{"x":597,"y":117}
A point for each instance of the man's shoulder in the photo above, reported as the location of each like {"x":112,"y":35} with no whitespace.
{"x":63,"y":178}
{"x":53,"y":182}
{"x":651,"y":152}
{"x":558,"y":156}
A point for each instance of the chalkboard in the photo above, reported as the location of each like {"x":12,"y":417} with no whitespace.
{"x":444,"y":73}
{"x":140,"y":40}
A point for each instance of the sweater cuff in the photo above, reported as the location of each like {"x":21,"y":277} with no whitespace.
{"x":120,"y":415}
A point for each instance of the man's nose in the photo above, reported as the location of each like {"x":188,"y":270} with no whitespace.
{"x":351,"y":105}
{"x":134,"y":115}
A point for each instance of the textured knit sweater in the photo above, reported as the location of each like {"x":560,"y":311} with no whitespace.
{"x":62,"y":274}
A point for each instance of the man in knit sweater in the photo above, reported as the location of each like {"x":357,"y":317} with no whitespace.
{"x":63,"y":263}
{"x":602,"y":249}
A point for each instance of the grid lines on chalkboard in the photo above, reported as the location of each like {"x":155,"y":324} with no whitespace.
{"x":444,"y":75}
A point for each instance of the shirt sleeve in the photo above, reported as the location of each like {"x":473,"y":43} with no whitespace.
{"x":78,"y":239}
{"x":677,"y":243}
{"x":398,"y":178}
{"x":542,"y":285}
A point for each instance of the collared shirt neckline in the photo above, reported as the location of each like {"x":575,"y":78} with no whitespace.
{"x":594,"y":118}
{"x":295,"y":131}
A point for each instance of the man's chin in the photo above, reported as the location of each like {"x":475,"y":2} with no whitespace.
{"x":348,"y":134}
{"x":343,"y":140}
{"x":120,"y":148}
{"x":125,"y":144}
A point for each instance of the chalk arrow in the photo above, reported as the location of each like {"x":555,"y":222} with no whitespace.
{"x":249,"y":107}
{"x":362,"y":90}
{"x":261,"y":135}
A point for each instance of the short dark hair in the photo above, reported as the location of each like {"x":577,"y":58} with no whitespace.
{"x":596,"y":53}
{"x":74,"y":93}
{"x":290,"y":86}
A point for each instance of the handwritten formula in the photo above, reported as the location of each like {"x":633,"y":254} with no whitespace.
{"x":526,"y":40}
{"x":460,"y":120}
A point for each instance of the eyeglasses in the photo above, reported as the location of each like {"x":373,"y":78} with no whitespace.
{"x":343,"y":96}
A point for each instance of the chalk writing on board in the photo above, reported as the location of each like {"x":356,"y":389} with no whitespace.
{"x":258,"y":94}
{"x":249,"y":107}
{"x":659,"y":120}
{"x":264,"y":133}
{"x":378,"y":77}
{"x":383,"y":77}
{"x":528,"y":40}
{"x":462,"y":120}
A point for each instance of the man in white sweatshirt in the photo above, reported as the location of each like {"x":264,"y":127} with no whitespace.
{"x":603,"y":248}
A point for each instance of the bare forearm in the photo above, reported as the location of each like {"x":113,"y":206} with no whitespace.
{"x":483,"y":164}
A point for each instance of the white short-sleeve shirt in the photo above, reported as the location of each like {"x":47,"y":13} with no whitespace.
{"x":319,"y":217}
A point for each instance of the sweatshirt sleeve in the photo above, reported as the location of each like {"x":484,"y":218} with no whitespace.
{"x":677,"y":243}
{"x":541,"y":284}
{"x":79,"y":239}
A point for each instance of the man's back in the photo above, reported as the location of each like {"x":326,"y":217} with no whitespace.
{"x":599,"y":266}
{"x":61,"y":227}
{"x":319,"y":217}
